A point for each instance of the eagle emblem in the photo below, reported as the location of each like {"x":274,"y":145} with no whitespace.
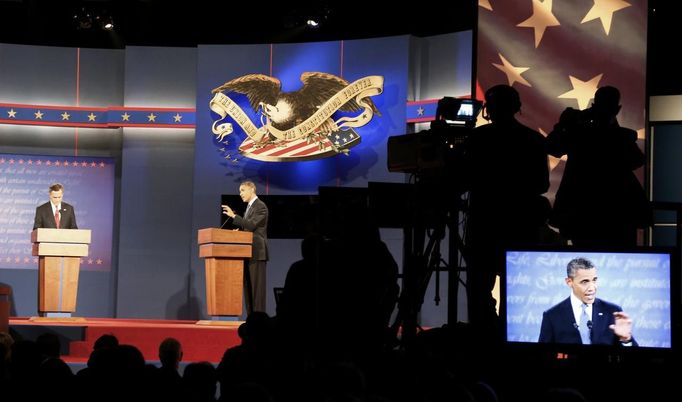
{"x":316,"y":121}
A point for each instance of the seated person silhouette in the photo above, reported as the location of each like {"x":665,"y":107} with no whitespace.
{"x":348,"y":276}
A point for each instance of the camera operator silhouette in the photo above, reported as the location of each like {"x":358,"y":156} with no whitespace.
{"x":506,"y":173}
{"x":600,"y":202}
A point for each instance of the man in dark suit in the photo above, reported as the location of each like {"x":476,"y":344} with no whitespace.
{"x":582,"y":318}
{"x":255,"y":220}
{"x":55,"y":214}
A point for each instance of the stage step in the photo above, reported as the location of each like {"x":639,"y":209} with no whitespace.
{"x":199,"y":342}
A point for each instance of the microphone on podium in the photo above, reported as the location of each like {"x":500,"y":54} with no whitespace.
{"x":226,"y":220}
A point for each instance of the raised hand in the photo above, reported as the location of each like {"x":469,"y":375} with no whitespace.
{"x":622,"y":326}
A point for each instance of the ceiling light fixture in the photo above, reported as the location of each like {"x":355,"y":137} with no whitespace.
{"x":106,"y":22}
{"x":83,"y":19}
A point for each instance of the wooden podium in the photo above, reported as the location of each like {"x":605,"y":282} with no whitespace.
{"x":224,"y":252}
{"x":59,"y":253}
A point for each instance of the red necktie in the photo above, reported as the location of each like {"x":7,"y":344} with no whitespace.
{"x":56,"y":217}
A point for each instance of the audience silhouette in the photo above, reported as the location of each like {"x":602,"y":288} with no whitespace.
{"x":6,"y":342}
{"x":199,"y":381}
{"x":252,"y":361}
{"x":49,"y":345}
{"x":447,"y":363}
{"x":339,"y":298}
{"x":167,"y":376}
{"x":600,"y":201}
{"x":105,"y":341}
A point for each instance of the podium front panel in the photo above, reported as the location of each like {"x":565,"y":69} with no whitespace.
{"x":58,"y":284}
{"x":224,"y":286}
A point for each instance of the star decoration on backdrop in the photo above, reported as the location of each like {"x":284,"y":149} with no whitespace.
{"x":72,"y":116}
{"x":541,"y":19}
{"x":513,"y":73}
{"x":485,"y":4}
{"x":480,"y":120}
{"x":553,"y":161}
{"x":420,"y":111}
{"x":604,"y":9}
{"x":640,"y":134}
{"x":582,"y":91}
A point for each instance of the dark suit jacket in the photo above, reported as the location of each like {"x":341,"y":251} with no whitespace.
{"x":256,"y":221}
{"x":45,"y":219}
{"x":559,"y":326}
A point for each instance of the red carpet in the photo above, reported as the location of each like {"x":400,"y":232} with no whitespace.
{"x":199,"y":342}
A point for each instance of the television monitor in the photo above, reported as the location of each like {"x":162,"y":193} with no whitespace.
{"x":642,"y":281}
{"x":458,"y":110}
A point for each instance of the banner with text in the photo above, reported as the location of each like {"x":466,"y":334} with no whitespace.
{"x":24,"y":185}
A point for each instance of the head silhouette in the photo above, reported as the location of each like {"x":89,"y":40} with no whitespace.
{"x":606,"y":102}
{"x":502,"y":102}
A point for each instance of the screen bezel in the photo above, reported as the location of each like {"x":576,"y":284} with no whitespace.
{"x":559,"y":349}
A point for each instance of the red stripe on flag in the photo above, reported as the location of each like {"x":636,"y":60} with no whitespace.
{"x":290,"y":148}
{"x":325,"y":143}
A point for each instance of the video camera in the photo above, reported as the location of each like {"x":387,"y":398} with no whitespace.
{"x":571,"y":117}
{"x":436,"y":147}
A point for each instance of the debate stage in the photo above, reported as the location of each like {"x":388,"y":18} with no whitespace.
{"x":77,"y":337}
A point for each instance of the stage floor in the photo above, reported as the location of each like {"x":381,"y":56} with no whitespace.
{"x":200,"y":342}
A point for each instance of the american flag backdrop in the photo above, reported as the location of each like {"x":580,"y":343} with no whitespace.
{"x":556,"y":53}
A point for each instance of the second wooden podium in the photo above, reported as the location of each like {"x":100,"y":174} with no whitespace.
{"x":224,"y":252}
{"x":59,"y":254}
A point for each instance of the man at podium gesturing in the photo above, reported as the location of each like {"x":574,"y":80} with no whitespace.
{"x":55,"y":214}
{"x":255,"y":220}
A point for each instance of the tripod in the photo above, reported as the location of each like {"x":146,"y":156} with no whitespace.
{"x":423,"y":259}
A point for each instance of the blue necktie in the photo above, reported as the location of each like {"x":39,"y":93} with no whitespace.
{"x":583,"y":327}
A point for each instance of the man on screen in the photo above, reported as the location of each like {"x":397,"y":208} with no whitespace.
{"x":55,"y":214}
{"x":582,"y":318}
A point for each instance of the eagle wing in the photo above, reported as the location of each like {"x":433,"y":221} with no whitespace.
{"x":319,"y":87}
{"x":257,"y":87}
